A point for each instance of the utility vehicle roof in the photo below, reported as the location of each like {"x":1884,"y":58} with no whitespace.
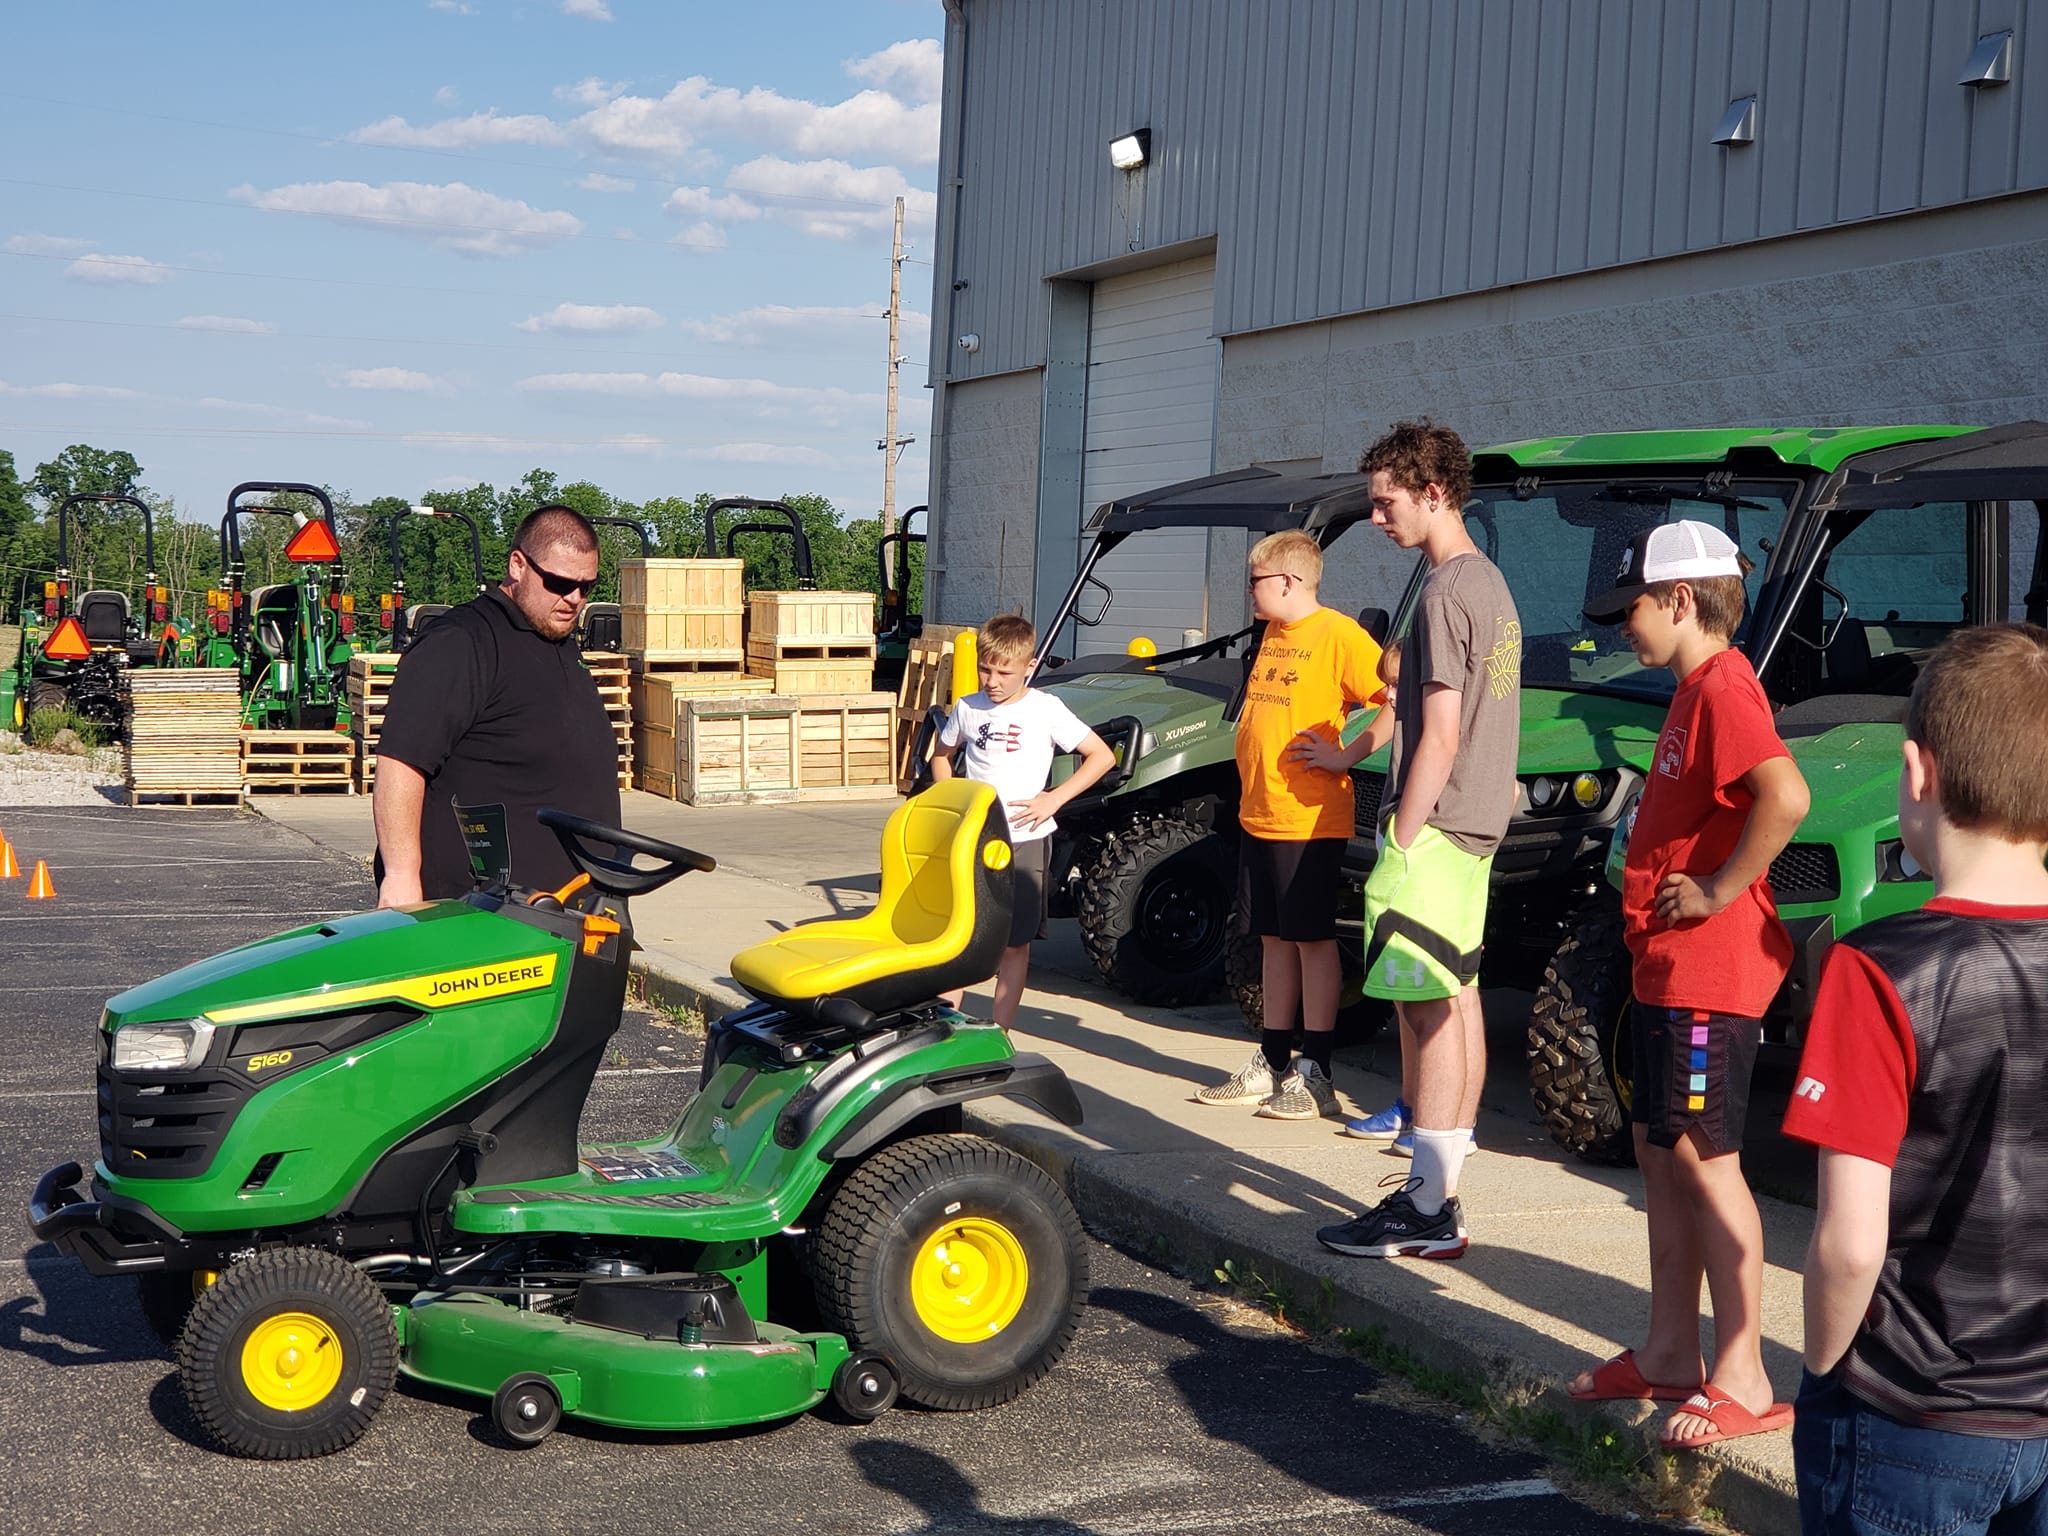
{"x":1751,"y":449}
{"x":1261,"y":499}
{"x":1998,"y":464}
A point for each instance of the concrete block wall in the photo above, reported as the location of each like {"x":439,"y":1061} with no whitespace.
{"x":985,"y":489}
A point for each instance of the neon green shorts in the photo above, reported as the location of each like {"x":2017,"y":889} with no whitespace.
{"x":1425,"y":918}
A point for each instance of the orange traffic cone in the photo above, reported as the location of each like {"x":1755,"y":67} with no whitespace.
{"x":39,"y":887}
{"x":9,"y":869}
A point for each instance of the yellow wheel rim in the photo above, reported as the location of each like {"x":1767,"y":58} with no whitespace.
{"x":970,"y":1280}
{"x":292,"y":1361}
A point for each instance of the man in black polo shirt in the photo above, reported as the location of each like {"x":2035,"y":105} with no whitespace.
{"x":493,"y":707}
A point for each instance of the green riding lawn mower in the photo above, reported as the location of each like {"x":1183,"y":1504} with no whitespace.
{"x":290,"y":640}
{"x":74,"y":652}
{"x":349,"y":1153}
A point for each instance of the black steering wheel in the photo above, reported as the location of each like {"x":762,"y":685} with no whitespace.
{"x":616,"y":876}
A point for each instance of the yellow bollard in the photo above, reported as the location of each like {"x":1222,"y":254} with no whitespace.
{"x":966,"y":672}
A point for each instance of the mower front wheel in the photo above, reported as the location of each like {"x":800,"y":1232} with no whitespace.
{"x":288,"y":1355}
{"x":527,"y":1409}
{"x":958,"y":1262}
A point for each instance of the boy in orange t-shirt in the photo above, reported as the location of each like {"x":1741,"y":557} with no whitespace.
{"x":1295,"y":819}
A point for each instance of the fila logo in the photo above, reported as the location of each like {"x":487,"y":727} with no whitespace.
{"x":1628,"y":558}
{"x":1810,"y":1088}
{"x":1403,"y":973}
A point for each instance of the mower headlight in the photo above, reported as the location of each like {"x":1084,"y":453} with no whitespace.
{"x":1895,"y":866}
{"x":1588,"y":790}
{"x":172,"y":1047}
{"x":1542,"y":792}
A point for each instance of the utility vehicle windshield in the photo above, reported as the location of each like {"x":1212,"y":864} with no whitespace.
{"x":1563,"y":544}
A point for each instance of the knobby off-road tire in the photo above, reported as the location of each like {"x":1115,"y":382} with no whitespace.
{"x":289,"y":1354}
{"x":1579,"y":1066}
{"x":1155,"y":908}
{"x":42,"y":696}
{"x":1359,"y":1018}
{"x":959,"y":1262}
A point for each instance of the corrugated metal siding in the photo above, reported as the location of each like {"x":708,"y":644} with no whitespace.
{"x":1350,"y":155}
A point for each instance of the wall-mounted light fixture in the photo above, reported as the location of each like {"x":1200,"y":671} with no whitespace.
{"x":1990,"y":61}
{"x":1128,"y":151}
{"x":1738,"y":123}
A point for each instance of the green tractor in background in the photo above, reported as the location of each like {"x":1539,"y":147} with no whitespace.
{"x":72,"y":654}
{"x":896,"y":625}
{"x":399,"y":621}
{"x":290,"y":641}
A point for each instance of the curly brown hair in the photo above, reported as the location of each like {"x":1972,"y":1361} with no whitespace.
{"x":1419,"y":454}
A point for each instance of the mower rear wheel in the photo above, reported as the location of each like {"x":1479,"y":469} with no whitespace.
{"x":527,"y":1409}
{"x":959,"y":1262}
{"x":287,"y":1355}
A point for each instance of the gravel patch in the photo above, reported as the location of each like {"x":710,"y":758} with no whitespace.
{"x":31,"y":777}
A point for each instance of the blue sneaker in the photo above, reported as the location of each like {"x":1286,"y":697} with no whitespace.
{"x":1403,"y":1145}
{"x":1384,"y":1125}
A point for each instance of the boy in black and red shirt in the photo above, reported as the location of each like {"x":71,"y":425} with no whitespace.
{"x":1722,"y":799}
{"x":1925,"y":1403}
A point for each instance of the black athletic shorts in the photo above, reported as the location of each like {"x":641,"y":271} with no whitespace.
{"x":1288,"y":890}
{"x":1692,"y":1072}
{"x":1031,"y":862}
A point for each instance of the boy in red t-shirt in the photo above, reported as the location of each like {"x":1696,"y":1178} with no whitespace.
{"x":1722,"y":799}
{"x":1925,"y":1401}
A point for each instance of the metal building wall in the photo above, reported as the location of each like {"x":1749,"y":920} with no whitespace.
{"x":1351,"y":155}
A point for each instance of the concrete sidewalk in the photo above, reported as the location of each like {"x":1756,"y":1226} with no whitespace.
{"x":1558,"y":1273}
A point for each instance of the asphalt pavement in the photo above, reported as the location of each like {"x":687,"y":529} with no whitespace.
{"x":1174,"y":1411}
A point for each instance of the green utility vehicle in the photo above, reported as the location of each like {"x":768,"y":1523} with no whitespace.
{"x":73,"y":653}
{"x":1873,"y":545}
{"x":349,"y":1152}
{"x":290,"y":640}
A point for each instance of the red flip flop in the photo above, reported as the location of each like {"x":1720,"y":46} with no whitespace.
{"x":1730,"y":1419}
{"x":1619,"y":1380}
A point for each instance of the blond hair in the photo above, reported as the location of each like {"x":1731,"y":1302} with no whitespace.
{"x":1291,"y":553}
{"x":1980,"y":708}
{"x":1007,"y":637}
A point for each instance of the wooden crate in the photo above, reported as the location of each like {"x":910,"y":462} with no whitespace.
{"x":736,"y":751}
{"x":848,"y":746}
{"x":927,"y":680}
{"x":811,"y":618}
{"x":184,"y":736}
{"x":683,"y":610}
{"x":654,"y":759}
{"x":813,"y":668}
{"x":298,"y":762}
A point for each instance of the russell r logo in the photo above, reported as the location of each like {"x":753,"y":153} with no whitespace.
{"x":1810,"y":1088}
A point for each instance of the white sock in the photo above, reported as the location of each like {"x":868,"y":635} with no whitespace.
{"x":1439,"y":1155}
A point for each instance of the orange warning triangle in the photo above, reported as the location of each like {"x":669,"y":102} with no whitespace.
{"x":67,"y":642}
{"x":9,"y":869}
{"x":39,"y":887}
{"x":312,"y":544}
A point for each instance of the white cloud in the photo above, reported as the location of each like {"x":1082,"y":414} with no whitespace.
{"x":691,"y":386}
{"x":262,"y":411}
{"x":232,"y":324}
{"x":485,"y":127}
{"x":45,"y":245}
{"x":704,"y":203}
{"x":405,"y":381}
{"x":761,"y":453}
{"x":453,"y":7}
{"x":447,"y":96}
{"x":703,"y":238}
{"x":591,"y":91}
{"x":456,"y":217}
{"x":598,"y":181}
{"x":589,"y":10}
{"x":868,"y":123}
{"x":593,"y":319}
{"x":831,"y":198}
{"x":493,"y":442}
{"x":912,"y":69}
{"x":749,"y":326}
{"x":118,"y":269}
{"x":69,"y":391}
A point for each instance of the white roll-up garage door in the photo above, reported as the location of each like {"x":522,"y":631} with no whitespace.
{"x":1151,"y":420}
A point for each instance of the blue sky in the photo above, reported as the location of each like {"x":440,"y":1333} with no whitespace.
{"x":400,"y":245}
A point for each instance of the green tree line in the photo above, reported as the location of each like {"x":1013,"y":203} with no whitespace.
{"x":106,"y":545}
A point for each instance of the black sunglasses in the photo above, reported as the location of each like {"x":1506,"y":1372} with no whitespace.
{"x":560,"y":586}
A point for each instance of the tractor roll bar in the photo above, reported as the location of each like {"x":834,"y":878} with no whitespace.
{"x":231,"y":532}
{"x":638,"y":529}
{"x":107,"y":498}
{"x":804,"y":573}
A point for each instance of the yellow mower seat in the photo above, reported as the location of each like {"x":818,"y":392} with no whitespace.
{"x":942,"y":921}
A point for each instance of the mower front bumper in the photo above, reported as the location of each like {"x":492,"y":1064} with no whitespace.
{"x":107,"y":1237}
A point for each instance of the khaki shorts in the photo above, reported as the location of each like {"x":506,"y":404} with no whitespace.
{"x":1425,"y":918}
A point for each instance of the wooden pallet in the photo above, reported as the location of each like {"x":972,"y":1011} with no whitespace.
{"x":184,"y":799}
{"x":847,"y":743}
{"x":612,"y":671}
{"x":927,"y":680}
{"x":368,"y":690}
{"x":298,"y":762}
{"x":185,"y":736}
{"x":812,"y":668}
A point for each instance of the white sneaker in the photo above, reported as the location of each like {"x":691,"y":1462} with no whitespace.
{"x":1254,"y":1082}
{"x":1304,"y":1094}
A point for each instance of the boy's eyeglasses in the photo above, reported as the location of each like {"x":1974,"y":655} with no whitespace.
{"x":560,"y":586}
{"x":1252,"y":585}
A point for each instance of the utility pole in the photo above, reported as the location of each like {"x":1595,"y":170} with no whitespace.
{"x":891,"y":445}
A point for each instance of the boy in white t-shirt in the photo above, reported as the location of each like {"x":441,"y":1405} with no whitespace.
{"x":1006,"y":736}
